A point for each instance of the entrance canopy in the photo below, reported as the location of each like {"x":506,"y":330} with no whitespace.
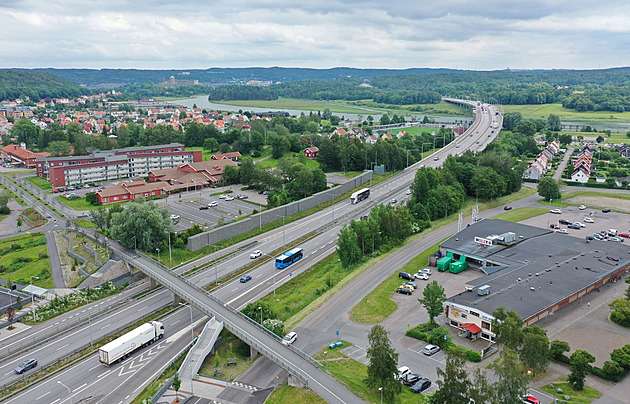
{"x":473,"y":328}
{"x":35,"y":290}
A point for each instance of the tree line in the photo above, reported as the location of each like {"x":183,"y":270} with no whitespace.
{"x":34,"y":85}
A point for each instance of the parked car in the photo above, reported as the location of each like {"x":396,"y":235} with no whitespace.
{"x":421,"y":385}
{"x":579,"y":224}
{"x":289,"y":338}
{"x":562,"y":231}
{"x":213,"y":203}
{"x":606,"y":210}
{"x":598,"y":236}
{"x":507,"y":207}
{"x":531,"y":400}
{"x":412,"y":284}
{"x":554,"y":226}
{"x":408,"y":192}
{"x":556,"y":211}
{"x":246,"y":278}
{"x":590,"y":238}
{"x":426,"y":271}
{"x":203,"y":208}
{"x":411,"y":378}
{"x":26,"y":365}
{"x":55,"y":190}
{"x":624,"y":235}
{"x":255,"y":254}
{"x":436,"y":158}
{"x":222,"y":196}
{"x":406,"y":275}
{"x":229,"y":198}
{"x":582,"y":207}
{"x":404,"y":289}
{"x":174,"y":217}
{"x":615,"y":239}
{"x":402,"y":371}
{"x":77,"y":187}
{"x":431,"y":349}
{"x":422,"y":275}
{"x":574,"y":226}
{"x":564,"y":221}
{"x":242,"y":196}
{"x":589,"y":220}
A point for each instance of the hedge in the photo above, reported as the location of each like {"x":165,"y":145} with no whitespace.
{"x":599,"y":372}
{"x":471,"y":355}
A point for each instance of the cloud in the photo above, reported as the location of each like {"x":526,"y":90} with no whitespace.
{"x":372,"y":34}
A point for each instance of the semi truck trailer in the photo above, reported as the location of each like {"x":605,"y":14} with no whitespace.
{"x":125,"y":345}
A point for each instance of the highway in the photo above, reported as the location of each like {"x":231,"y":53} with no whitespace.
{"x":235,"y":293}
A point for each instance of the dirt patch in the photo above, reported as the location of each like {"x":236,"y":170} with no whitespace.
{"x":71,"y":277}
{"x":599,"y":202}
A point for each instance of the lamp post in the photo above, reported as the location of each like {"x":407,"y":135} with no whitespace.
{"x":326,"y":359}
{"x":170,"y":252}
{"x":158,"y":252}
{"x":549,"y":213}
{"x":33,"y":297}
{"x":261,"y":311}
{"x":422,"y":150}
{"x":69,"y":391}
{"x":408,"y":150}
{"x":135,"y":244}
{"x":381,"y":390}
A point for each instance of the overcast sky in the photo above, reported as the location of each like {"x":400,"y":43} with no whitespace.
{"x":186,"y":34}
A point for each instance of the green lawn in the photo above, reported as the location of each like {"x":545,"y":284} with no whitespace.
{"x":82,"y":204}
{"x":516,"y":215}
{"x":338,"y":107}
{"x":205,"y":154}
{"x":19,"y":264}
{"x":39,"y":182}
{"x":543,"y":111}
{"x":577,"y":397}
{"x":350,"y":174}
{"x":272,"y":162}
{"x":84,"y":223}
{"x":286,"y":394}
{"x":414,"y":130}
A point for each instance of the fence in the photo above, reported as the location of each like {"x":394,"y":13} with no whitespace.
{"x":205,"y":239}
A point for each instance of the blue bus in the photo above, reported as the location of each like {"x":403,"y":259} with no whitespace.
{"x":289,"y":258}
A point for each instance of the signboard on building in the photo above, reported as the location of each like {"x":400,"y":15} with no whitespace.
{"x":483,"y":241}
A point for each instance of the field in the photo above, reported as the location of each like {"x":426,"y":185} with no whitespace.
{"x":414,"y":130}
{"x":272,"y":162}
{"x":519,"y":214}
{"x":543,"y":111}
{"x":39,"y":182}
{"x":339,"y":107}
{"x":24,"y":257}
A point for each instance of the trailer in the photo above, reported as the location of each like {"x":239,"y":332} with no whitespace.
{"x":135,"y":339}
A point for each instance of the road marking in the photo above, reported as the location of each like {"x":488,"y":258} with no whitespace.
{"x":175,"y":322}
{"x":234,"y":290}
{"x":103,"y":374}
{"x":62,"y":347}
{"x":55,"y":401}
{"x":78,"y":389}
{"x":48,"y":392}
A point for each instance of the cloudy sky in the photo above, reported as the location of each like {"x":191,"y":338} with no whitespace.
{"x":186,"y":34}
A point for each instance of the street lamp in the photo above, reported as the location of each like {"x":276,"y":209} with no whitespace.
{"x":69,"y":391}
{"x":33,"y":297}
{"x":549,"y":213}
{"x":381,"y":390}
{"x":158,"y":252}
{"x":135,"y":244}
{"x":261,"y":311}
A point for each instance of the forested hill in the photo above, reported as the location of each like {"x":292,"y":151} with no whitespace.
{"x":223,"y":76}
{"x":36,"y":85}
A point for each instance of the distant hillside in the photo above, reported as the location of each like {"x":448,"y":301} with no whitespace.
{"x":36,"y":85}
{"x":222,"y":76}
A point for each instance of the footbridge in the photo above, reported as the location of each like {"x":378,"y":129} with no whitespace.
{"x":303,"y":368}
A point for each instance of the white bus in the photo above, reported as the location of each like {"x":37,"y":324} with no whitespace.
{"x":360,"y":195}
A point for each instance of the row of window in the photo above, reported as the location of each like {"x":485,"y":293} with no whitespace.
{"x":125,"y":197}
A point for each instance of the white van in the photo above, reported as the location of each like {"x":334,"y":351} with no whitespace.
{"x":612,"y":232}
{"x":289,"y":338}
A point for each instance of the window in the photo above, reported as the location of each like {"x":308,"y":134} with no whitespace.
{"x":116,"y":198}
{"x":485,"y":325}
{"x":105,"y":199}
{"x":474,"y":313}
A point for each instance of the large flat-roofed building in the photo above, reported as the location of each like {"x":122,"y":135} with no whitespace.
{"x":113,"y":164}
{"x":531,"y":270}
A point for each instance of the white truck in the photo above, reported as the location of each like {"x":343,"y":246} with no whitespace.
{"x":125,"y":345}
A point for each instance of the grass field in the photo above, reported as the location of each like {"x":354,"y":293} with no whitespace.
{"x":39,"y":182}
{"x":24,"y":257}
{"x":543,"y":111}
{"x":82,"y":204}
{"x":286,"y":394}
{"x":516,"y":215}
{"x":338,"y":107}
{"x":272,"y":162}
{"x":205,"y":154}
{"x":413,"y":130}
{"x":585,"y":396}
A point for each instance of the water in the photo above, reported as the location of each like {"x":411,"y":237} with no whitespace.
{"x":601,"y":125}
{"x":202,"y":102}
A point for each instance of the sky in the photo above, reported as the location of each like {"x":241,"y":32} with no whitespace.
{"x":195,"y":34}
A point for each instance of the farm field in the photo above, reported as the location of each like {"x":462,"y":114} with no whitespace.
{"x":543,"y":111}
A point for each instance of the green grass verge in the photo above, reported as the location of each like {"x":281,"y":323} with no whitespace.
{"x":286,"y":394}
{"x":273,"y":162}
{"x":543,"y":111}
{"x":13,"y":195}
{"x":516,"y":215}
{"x":39,"y":182}
{"x":83,"y":223}
{"x":414,"y":130}
{"x":585,"y":396}
{"x":82,"y":204}
{"x":349,"y":174}
{"x":24,"y":257}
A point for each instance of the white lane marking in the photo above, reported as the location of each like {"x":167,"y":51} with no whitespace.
{"x":62,"y":347}
{"x":48,"y":392}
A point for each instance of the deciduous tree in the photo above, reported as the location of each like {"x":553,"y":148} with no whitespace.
{"x":548,"y":188}
{"x":579,"y":364}
{"x":454,"y":386}
{"x":507,"y":326}
{"x":433,"y":298}
{"x":513,"y":382}
{"x":142,"y":222}
{"x":383,"y":364}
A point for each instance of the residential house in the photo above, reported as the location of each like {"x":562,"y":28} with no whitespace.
{"x":311,"y":152}
{"x":234,"y":156}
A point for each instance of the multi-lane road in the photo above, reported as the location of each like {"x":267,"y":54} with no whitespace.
{"x":133,"y":374}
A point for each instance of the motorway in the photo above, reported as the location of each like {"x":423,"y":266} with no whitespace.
{"x":265,"y":279}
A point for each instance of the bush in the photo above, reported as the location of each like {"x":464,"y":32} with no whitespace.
{"x":611,"y":371}
{"x":417,"y":334}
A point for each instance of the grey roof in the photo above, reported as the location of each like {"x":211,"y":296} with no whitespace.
{"x":555,"y":265}
{"x":107,"y":153}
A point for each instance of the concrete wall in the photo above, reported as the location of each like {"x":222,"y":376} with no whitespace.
{"x":201,"y":240}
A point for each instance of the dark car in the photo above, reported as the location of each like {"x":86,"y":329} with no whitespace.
{"x":203,"y":208}
{"x":574,"y":226}
{"x":26,"y":365}
{"x":406,"y":275}
{"x":507,"y":208}
{"x":421,"y":385}
{"x":564,"y":221}
{"x":246,"y":278}
{"x":405,"y":290}
{"x":554,"y":226}
{"x":605,"y":210}
{"x":410,"y":379}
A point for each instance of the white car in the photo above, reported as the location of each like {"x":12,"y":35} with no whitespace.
{"x":174,"y":217}
{"x":556,"y":211}
{"x":426,"y":271}
{"x":255,"y":254}
{"x":222,"y":196}
{"x":422,"y":275}
{"x":213,"y":203}
{"x":589,"y":220}
{"x":582,"y":207}
{"x":408,"y":192}
{"x":289,"y":338}
{"x":562,"y":231}
{"x":580,"y":224}
{"x":229,"y":198}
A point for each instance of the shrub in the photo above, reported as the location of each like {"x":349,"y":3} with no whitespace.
{"x":611,"y":371}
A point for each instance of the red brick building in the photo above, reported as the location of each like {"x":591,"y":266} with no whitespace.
{"x":193,"y":175}
{"x":18,"y":155}
{"x":128,"y":191}
{"x":234,"y":156}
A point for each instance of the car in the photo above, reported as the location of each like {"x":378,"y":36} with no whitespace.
{"x":86,"y":185}
{"x":582,"y":207}
{"x":574,"y":226}
{"x":55,"y":190}
{"x":421,"y":385}
{"x":26,"y":365}
{"x":222,"y":196}
{"x":589,"y":220}
{"x":402,"y":371}
{"x":431,"y":349}
{"x":255,"y":254}
{"x":554,"y":226}
{"x":598,"y":236}
{"x":394,"y":201}
{"x":605,"y":210}
{"x":229,"y":198}
{"x":457,"y":145}
{"x":615,"y":239}
{"x":564,"y":221}
{"x":213,"y":203}
{"x":624,"y":235}
{"x":412,"y":284}
{"x":365,"y":217}
{"x":246,"y":278}
{"x":242,"y":196}
{"x":408,"y":192}
{"x":562,"y":231}
{"x":174,"y":217}
{"x":436,"y":158}
{"x":507,"y":207}
{"x":426,"y":271}
{"x":77,"y":187}
{"x":406,"y":275}
{"x":579,"y":224}
{"x":531,"y":400}
{"x":260,"y":192}
{"x":289,"y":338}
{"x":410,"y":379}
{"x":556,"y":211}
{"x":590,"y":238}
{"x":422,"y":275}
{"x":96,"y":184}
{"x":203,"y":208}
{"x":404,"y":290}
